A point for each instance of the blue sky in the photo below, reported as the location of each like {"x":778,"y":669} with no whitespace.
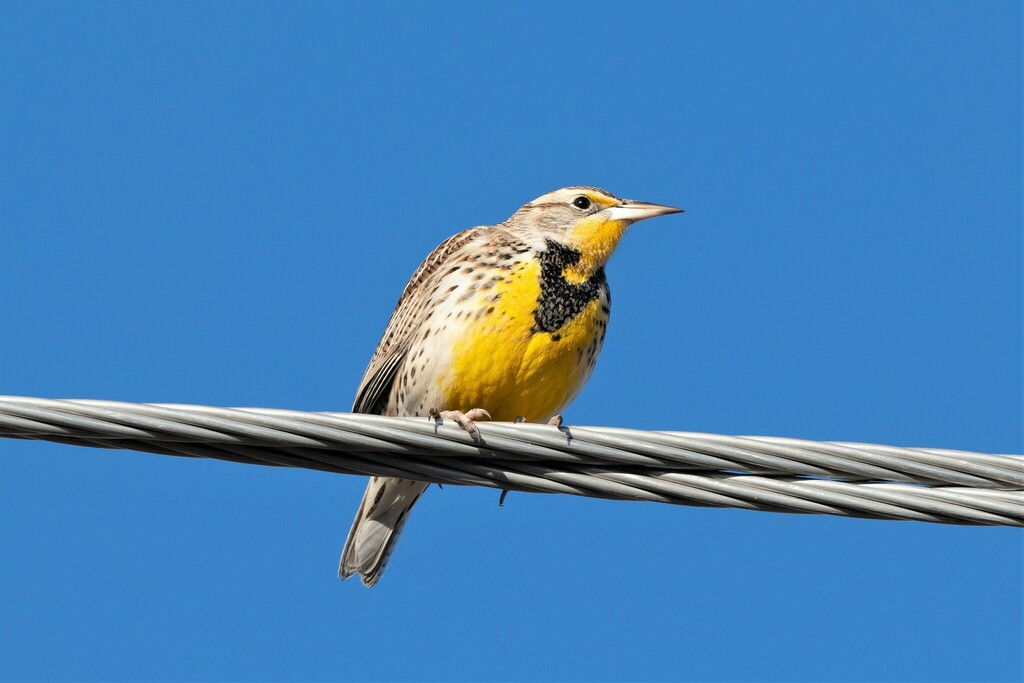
{"x":219,"y":203}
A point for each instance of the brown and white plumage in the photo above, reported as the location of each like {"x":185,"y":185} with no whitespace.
{"x":508,"y":317}
{"x":387,"y":501}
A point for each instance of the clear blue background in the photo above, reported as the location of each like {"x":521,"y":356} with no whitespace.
{"x":220,"y":203}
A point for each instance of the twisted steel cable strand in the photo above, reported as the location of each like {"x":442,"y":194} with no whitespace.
{"x":683,"y":468}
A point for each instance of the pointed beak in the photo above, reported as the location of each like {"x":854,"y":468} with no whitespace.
{"x":632,"y":211}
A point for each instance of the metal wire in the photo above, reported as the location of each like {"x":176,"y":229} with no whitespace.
{"x":683,"y":468}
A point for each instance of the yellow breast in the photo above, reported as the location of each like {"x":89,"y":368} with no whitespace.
{"x":503,"y":365}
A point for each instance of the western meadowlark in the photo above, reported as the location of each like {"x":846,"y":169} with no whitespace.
{"x":502,"y":321}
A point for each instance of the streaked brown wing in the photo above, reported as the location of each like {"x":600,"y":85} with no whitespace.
{"x":375,"y":388}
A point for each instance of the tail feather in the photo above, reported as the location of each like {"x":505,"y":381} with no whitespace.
{"x":382,"y":514}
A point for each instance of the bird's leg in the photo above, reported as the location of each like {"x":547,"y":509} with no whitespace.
{"x":464,"y":419}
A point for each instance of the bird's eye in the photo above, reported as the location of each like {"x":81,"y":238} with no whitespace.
{"x":581,"y":202}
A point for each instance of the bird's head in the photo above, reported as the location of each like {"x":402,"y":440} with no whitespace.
{"x":586,"y":219}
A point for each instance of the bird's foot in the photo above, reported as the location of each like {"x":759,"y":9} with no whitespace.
{"x":556,"y":421}
{"x":463,"y":419}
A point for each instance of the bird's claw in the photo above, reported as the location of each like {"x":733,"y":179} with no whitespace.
{"x":463,"y":419}
{"x":556,"y":421}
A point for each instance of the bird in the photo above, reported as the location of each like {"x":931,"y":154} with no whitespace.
{"x":500,"y":321}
